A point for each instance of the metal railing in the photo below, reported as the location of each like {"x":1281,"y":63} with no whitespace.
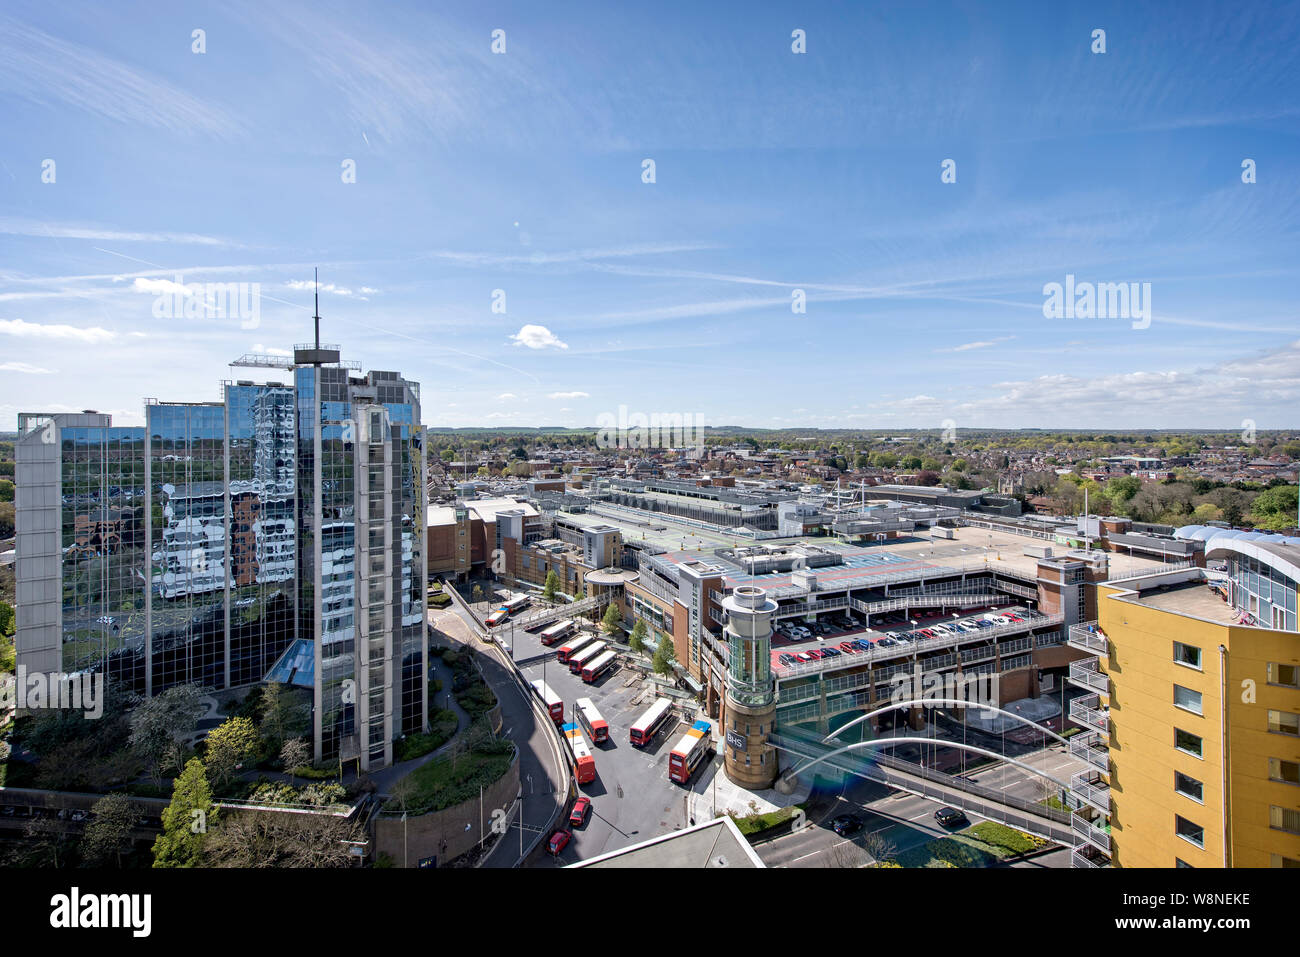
{"x":1147,"y":573}
{"x":1086,"y":855}
{"x":1086,"y":636}
{"x":1086,"y":710}
{"x":1098,"y":837}
{"x":1087,"y":674}
{"x":1089,"y":786}
{"x":1090,"y":747}
{"x":911,"y":648}
{"x":879,"y":765}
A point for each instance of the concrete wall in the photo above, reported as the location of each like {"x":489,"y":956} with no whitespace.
{"x":449,"y":833}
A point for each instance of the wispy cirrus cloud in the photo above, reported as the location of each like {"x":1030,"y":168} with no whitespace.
{"x":24,"y":368}
{"x":970,"y":346}
{"x":37,"y":228}
{"x":48,"y":71}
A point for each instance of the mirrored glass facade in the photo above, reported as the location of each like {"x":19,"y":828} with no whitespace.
{"x":105,"y":560}
{"x":223,"y":538}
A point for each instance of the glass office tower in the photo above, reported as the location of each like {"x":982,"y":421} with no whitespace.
{"x":278,"y":533}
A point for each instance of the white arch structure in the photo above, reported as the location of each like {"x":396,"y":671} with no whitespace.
{"x":952,"y":701}
{"x":890,"y":742}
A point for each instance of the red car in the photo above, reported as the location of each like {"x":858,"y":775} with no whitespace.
{"x":849,"y":648}
{"x":813,"y":653}
{"x":579,"y":813}
{"x":559,"y":840}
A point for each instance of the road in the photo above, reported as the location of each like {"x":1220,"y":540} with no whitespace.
{"x":903,"y":820}
{"x":540,"y":774}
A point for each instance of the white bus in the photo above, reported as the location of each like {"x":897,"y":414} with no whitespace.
{"x":592,"y":670}
{"x":557,"y":631}
{"x":591,"y":721}
{"x":554,"y":704}
{"x":651,"y":723}
{"x":588,"y":653}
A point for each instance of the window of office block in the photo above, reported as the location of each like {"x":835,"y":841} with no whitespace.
{"x":1188,"y":787}
{"x":1280,"y":674}
{"x":1187,"y":699}
{"x":1191,"y":743}
{"x":1189,"y":831}
{"x":1288,"y":772}
{"x":1284,"y":722}
{"x":1284,"y":819}
{"x":1179,"y":862}
{"x":1188,"y":655}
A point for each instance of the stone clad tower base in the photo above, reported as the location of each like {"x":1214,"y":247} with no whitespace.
{"x":754,"y":725}
{"x":750,"y":703}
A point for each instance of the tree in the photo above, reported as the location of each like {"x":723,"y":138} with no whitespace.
{"x":6,"y":490}
{"x":477,"y":595}
{"x":263,"y":839}
{"x":294,"y":754}
{"x":637,"y":641}
{"x":159,"y":723}
{"x":880,"y":847}
{"x":551,"y":586}
{"x":664,"y":655}
{"x":108,"y":835}
{"x":7,"y":622}
{"x":284,"y":713}
{"x":613,"y":618}
{"x":187,"y":820}
{"x":1275,"y":508}
{"x":229,"y":745}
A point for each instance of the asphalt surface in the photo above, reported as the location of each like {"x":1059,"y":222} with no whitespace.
{"x":902,"y":820}
{"x":632,"y":798}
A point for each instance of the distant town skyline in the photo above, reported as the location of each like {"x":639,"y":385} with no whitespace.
{"x":500,"y":243}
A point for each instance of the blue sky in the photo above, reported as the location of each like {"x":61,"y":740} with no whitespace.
{"x":775,"y":171}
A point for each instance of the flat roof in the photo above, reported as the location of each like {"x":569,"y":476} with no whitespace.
{"x":1193,"y":598}
{"x":713,"y":844}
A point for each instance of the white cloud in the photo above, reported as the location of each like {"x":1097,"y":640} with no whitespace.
{"x":537,"y":337}
{"x":263,"y":350}
{"x":507,"y":395}
{"x":569,"y":395}
{"x":34,"y":330}
{"x":24,"y":368}
{"x":308,"y":285}
{"x":157,"y":287}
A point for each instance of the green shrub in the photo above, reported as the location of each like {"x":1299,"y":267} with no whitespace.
{"x":442,"y":725}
